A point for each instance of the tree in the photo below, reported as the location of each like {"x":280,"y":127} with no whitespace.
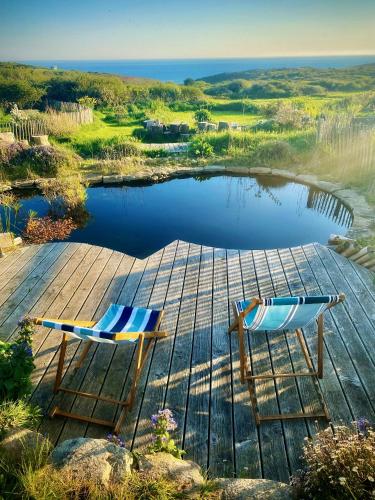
{"x":188,"y":82}
{"x":202,"y":115}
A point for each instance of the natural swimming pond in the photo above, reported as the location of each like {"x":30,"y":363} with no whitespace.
{"x":222,"y":211}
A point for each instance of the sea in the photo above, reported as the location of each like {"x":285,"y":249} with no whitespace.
{"x":177,"y":70}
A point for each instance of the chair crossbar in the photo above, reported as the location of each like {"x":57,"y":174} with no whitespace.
{"x":248,"y":377}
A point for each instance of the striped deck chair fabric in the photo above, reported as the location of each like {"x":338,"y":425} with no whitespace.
{"x":281,"y":313}
{"x":113,"y":325}
{"x":119,"y":323}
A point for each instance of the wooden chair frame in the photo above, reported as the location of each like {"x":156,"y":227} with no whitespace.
{"x":144,"y":343}
{"x":250,"y":379}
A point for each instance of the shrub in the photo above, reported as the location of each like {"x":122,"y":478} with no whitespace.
{"x":46,"y":160}
{"x":339,"y":465}
{"x":118,"y":147}
{"x":272,"y":151}
{"x":200,"y":147}
{"x":162,"y":423}
{"x":202,"y":115}
{"x":17,"y":364}
{"x":10,"y":152}
{"x":265,"y":126}
{"x":15,"y":414}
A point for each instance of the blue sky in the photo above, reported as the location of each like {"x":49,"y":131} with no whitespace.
{"x":114,"y":29}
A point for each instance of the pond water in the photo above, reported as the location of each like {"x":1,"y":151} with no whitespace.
{"x":221,"y":211}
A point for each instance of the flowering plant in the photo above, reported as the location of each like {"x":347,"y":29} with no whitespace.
{"x":17,"y":363}
{"x":339,"y":464}
{"x":112,"y":438}
{"x":162,"y":423}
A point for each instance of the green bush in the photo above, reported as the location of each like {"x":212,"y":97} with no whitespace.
{"x":339,"y":464}
{"x":112,"y":148}
{"x":17,"y":364}
{"x":200,"y":147}
{"x":271,"y":151}
{"x":14,"y":414}
{"x":202,"y":115}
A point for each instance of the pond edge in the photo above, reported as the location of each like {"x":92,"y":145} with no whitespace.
{"x":363,"y":214}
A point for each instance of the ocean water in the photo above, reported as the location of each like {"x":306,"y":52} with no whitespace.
{"x":176,"y":70}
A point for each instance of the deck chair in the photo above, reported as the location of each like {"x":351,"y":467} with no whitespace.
{"x":275,"y":315}
{"x":119,"y":324}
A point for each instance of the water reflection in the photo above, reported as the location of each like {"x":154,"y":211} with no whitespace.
{"x":222,"y":211}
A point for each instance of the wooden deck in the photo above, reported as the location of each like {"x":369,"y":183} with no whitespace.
{"x":195,"y":370}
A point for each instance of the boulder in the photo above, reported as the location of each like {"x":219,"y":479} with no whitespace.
{"x":7,"y":137}
{"x":93,"y":459}
{"x":19,"y":442}
{"x":256,"y":489}
{"x":185,"y":472}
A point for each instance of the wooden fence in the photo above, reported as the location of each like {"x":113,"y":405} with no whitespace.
{"x":23,"y":130}
{"x":52,"y":120}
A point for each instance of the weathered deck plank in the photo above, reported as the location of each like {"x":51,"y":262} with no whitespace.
{"x":195,"y":371}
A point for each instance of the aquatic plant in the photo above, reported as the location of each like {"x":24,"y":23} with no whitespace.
{"x":43,"y":229}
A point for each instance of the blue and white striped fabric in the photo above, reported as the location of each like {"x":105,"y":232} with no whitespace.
{"x":117,"y":319}
{"x":282,"y":313}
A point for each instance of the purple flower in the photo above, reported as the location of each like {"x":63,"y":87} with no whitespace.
{"x":362,"y":425}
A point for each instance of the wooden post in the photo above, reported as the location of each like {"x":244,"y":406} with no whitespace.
{"x":60,"y":365}
{"x":320,"y":345}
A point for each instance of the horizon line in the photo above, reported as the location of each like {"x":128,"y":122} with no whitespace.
{"x":289,"y":56}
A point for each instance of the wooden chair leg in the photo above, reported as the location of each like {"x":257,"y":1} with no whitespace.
{"x":84,"y":352}
{"x":243,"y":356}
{"x":320,"y":345}
{"x":60,"y":365}
{"x":139,"y":361}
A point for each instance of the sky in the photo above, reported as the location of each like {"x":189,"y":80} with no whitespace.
{"x":158,"y":29}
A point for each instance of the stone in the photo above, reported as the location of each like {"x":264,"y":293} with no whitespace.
{"x":255,"y":489}
{"x":186,"y":472}
{"x":93,"y":179}
{"x":238,"y":170}
{"x":18,"y":442}
{"x":112,"y":179}
{"x":260,"y":170}
{"x":7,"y":137}
{"x":40,"y":140}
{"x":283,"y":173}
{"x":93,"y":459}
{"x":307,"y":179}
{"x":23,"y":184}
{"x":214,"y":168}
{"x":330,"y":187}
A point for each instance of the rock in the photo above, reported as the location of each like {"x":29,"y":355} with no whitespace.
{"x":93,"y":459}
{"x":255,"y":489}
{"x":186,"y":472}
{"x":23,"y":184}
{"x":223,"y":126}
{"x":283,"y":173}
{"x":260,"y":171}
{"x":307,"y":179}
{"x":7,"y":137}
{"x":40,"y":140}
{"x":18,"y":442}
{"x":112,"y":179}
{"x":93,"y":179}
